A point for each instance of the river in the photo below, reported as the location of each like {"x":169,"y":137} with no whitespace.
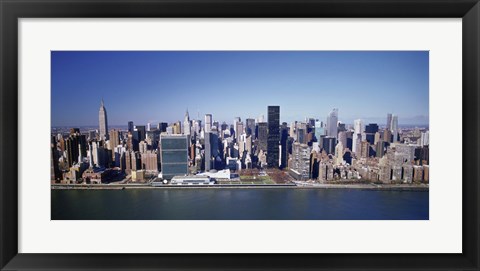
{"x":239,"y":204}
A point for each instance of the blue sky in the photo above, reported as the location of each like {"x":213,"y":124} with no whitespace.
{"x":155,"y":86}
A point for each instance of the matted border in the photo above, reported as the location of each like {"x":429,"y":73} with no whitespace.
{"x":12,"y":10}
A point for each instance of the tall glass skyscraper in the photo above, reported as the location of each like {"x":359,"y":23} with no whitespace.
{"x":102,"y":122}
{"x":262,"y":135}
{"x":283,"y":144}
{"x":130,"y":126}
{"x":389,"y":121}
{"x":186,"y":124}
{"x":173,"y":155}
{"x":394,"y":128}
{"x":332,"y":120}
{"x":370,"y":131}
{"x":250,"y":126}
{"x":273,"y":136}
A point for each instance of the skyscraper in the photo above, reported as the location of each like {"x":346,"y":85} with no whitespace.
{"x":250,"y":126}
{"x":370,"y":131}
{"x":342,"y":137}
{"x":394,"y":128}
{"x":162,"y":126}
{"x":102,"y":122}
{"x":262,"y":135}
{"x":238,"y":130}
{"x":76,"y":147}
{"x":208,"y":150}
{"x":114,"y":141}
{"x":328,"y":144}
{"x":425,"y":138}
{"x":283,"y":144}
{"x":186,"y":124}
{"x":273,"y":136}
{"x":332,"y":120}
{"x":130,"y":126}
{"x":208,"y":123}
{"x":387,"y":135}
{"x":173,"y":155}
{"x":389,"y":120}
{"x":358,"y":130}
{"x":235,"y":121}
{"x":141,"y":132}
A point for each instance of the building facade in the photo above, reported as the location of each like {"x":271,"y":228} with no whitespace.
{"x":173,"y":155}
{"x":273,"y":139}
{"x":102,"y":122}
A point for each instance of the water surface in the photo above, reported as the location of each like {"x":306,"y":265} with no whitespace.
{"x":234,"y":203}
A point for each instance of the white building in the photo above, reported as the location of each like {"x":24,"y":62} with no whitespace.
{"x":208,"y":123}
{"x":332,"y":121}
{"x":220,"y":174}
{"x":425,"y":138}
{"x":186,"y":124}
{"x":191,"y":180}
{"x":358,"y":128}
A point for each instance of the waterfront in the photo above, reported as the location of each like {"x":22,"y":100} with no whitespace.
{"x":239,"y":204}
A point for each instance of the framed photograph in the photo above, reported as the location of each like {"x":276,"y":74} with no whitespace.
{"x":239,"y":135}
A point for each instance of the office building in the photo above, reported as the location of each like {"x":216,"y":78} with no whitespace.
{"x":387,"y":135}
{"x":273,"y":138}
{"x":283,"y":145}
{"x":162,"y":126}
{"x":149,"y":161}
{"x":130,"y":126}
{"x":76,"y":148}
{"x":389,"y":121}
{"x":235,"y":121}
{"x":370,"y":131}
{"x":342,"y":137}
{"x":319,"y":130}
{"x":378,"y":137}
{"x":332,"y":121}
{"x":102,"y":122}
{"x":339,"y":151}
{"x":357,"y":132}
{"x":238,"y":130}
{"x":173,"y":155}
{"x":208,"y":123}
{"x":141,"y":132}
{"x":177,"y":128}
{"x":262,"y":136}
{"x":300,"y":163}
{"x":328,"y":144}
{"x":250,"y":126}
{"x":114,"y":141}
{"x":425,"y":138}
{"x":301,"y":138}
{"x":365,"y":149}
{"x":380,"y":148}
{"x":394,"y":128}
{"x":186,"y":124}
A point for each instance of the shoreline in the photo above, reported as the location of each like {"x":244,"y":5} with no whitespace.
{"x":385,"y":187}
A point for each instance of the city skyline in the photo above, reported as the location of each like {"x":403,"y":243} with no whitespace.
{"x":128,"y":99}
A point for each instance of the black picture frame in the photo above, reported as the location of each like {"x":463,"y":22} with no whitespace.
{"x":11,"y":11}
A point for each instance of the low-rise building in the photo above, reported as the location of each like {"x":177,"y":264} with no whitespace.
{"x":216,"y":174}
{"x":138,"y":175}
{"x":191,"y":180}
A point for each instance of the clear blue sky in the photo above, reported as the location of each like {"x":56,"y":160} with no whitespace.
{"x":155,"y":86}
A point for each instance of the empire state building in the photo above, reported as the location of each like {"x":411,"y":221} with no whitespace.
{"x":102,"y":122}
